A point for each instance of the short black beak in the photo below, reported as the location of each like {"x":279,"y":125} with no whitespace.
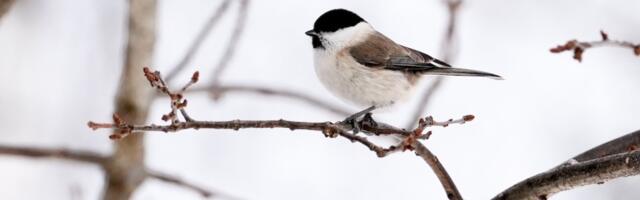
{"x":311,"y":33}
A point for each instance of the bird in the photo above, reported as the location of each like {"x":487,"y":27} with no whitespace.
{"x":364,"y":67}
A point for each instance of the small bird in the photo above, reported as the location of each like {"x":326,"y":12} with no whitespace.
{"x":362,"y":66}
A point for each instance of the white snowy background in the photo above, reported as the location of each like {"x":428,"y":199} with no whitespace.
{"x":60,"y":63}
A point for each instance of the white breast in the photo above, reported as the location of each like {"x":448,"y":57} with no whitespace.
{"x":358,"y":84}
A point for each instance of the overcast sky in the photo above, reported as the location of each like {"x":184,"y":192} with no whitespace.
{"x":60,"y":63}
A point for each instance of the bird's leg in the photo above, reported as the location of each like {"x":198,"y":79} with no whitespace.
{"x":353,"y":119}
{"x":369,"y":121}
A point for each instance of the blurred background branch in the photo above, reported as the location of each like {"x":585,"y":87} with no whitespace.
{"x":199,"y":40}
{"x":90,"y":157}
{"x":238,"y":30}
{"x":5,"y":5}
{"x":220,"y":90}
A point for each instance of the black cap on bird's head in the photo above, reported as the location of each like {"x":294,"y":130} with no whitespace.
{"x":332,"y":21}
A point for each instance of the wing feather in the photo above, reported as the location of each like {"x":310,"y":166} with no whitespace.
{"x":380,"y":52}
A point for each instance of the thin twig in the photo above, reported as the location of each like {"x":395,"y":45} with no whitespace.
{"x":199,"y":40}
{"x":219,"y":91}
{"x":178,"y":181}
{"x":578,"y":47}
{"x":233,"y":42}
{"x":595,"y":171}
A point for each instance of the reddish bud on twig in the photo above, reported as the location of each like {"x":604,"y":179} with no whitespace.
{"x":428,"y":135}
{"x":93,"y":125}
{"x":566,"y":47}
{"x":116,"y":119}
{"x":174,"y":96}
{"x":151,"y":77}
{"x":604,"y":35}
{"x":183,"y":104}
{"x":115,"y":136}
{"x":577,"y":54}
{"x":195,"y":76}
{"x":421,"y":125}
{"x":330,"y":132}
{"x":636,"y":50}
{"x":468,"y":118}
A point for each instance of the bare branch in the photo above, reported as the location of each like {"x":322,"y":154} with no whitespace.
{"x":233,"y":42}
{"x":438,"y":169}
{"x":65,"y":154}
{"x":622,"y":144}
{"x":179,"y":182}
{"x":595,"y":171}
{"x":219,"y":91}
{"x":199,"y":40}
{"x":329,"y":129}
{"x":578,"y":47}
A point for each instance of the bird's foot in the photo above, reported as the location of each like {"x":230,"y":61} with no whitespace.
{"x":352,"y":121}
{"x":368,"y":120}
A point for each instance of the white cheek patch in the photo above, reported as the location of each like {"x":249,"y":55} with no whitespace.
{"x":347,"y":36}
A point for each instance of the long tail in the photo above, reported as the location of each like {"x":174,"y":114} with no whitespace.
{"x":450,"y":71}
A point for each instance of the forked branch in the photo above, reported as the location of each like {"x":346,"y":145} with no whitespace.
{"x":409,"y":139}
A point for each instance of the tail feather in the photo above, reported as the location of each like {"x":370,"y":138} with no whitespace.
{"x":450,"y":71}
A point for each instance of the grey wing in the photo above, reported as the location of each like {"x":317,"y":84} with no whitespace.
{"x":413,"y":60}
{"x":381,"y":52}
